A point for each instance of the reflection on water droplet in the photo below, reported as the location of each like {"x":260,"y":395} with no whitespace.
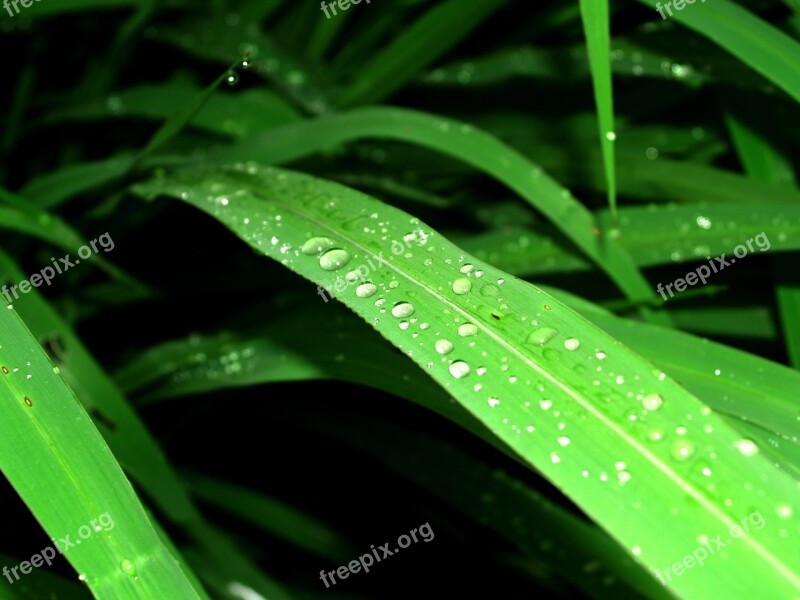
{"x":746,"y":447}
{"x":655,"y":435}
{"x":231,"y":78}
{"x":459,"y":369}
{"x":784,"y":511}
{"x":493,"y":402}
{"x":467,"y":329}
{"x":682,"y":449}
{"x":462,"y":286}
{"x":315,"y":245}
{"x":402,"y":310}
{"x":334,"y":259}
{"x":653,"y":401}
{"x":365,"y":290}
{"x":443,"y":346}
{"x":542,"y":335}
{"x":571,"y":344}
{"x":128,"y":567}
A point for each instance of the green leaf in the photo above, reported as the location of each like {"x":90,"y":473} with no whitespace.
{"x":49,"y":443}
{"x":522,"y":363}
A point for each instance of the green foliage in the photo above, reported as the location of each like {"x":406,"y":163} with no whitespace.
{"x":469,"y":208}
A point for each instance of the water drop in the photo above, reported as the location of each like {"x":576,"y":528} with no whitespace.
{"x":462,"y":286}
{"x":334,"y":259}
{"x":231,"y":78}
{"x":542,"y":336}
{"x":611,"y":136}
{"x":365,"y":290}
{"x":545,"y":404}
{"x":564,"y":441}
{"x":315,"y":245}
{"x":784,"y":511}
{"x":467,"y":269}
{"x":682,"y":450}
{"x":571,"y":344}
{"x":653,"y":401}
{"x":459,"y":369}
{"x":467,"y":329}
{"x":746,"y":447}
{"x":402,"y":310}
{"x":493,"y":402}
{"x":443,"y":346}
{"x":128,"y":567}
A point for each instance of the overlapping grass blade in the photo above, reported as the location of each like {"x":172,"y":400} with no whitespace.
{"x":49,"y":445}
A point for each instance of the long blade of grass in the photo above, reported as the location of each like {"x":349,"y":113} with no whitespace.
{"x":523,"y":368}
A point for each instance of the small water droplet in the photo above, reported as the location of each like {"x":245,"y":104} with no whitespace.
{"x":784,"y":511}
{"x":542,"y":335}
{"x":462,"y":286}
{"x":572,"y":344}
{"x":334,"y":259}
{"x":611,"y":136}
{"x":128,"y":567}
{"x":315,"y":245}
{"x":365,"y":290}
{"x":564,"y":441}
{"x":443,"y":346}
{"x":682,"y":449}
{"x":493,"y":402}
{"x":28,"y":401}
{"x":467,"y":330}
{"x":653,"y":402}
{"x":459,"y":369}
{"x":231,"y":78}
{"x":402,"y":310}
{"x":746,"y":447}
{"x":467,"y":269}
{"x":546,"y":404}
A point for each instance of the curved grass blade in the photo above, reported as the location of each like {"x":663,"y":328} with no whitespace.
{"x":125,"y":433}
{"x":532,"y":366}
{"x":469,"y":145}
{"x":48,"y":443}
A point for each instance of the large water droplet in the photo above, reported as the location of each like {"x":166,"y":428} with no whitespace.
{"x":334,"y":259}
{"x":365,"y":290}
{"x":459,"y":369}
{"x":462,"y":286}
{"x":402,"y":310}
{"x":542,"y":335}
{"x":315,"y":245}
{"x":746,"y":447}
{"x":443,"y":346}
{"x":467,"y":329}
